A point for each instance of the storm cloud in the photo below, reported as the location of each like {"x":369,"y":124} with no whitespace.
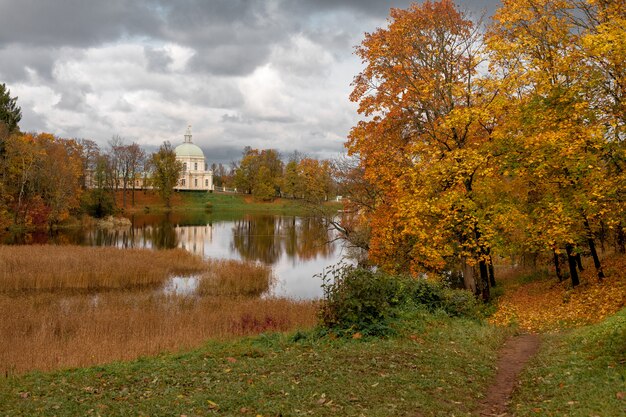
{"x":266,"y":74}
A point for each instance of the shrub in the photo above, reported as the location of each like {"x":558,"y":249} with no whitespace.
{"x":439,"y":296}
{"x":364,"y":301}
{"x":427,"y":294}
{"x":359,"y":300}
{"x":461,"y":303}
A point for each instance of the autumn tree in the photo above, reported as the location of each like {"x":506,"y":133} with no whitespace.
{"x":41,"y":179}
{"x":314,"y":180}
{"x":291,"y":179}
{"x":552,"y":143}
{"x":259,"y":173}
{"x":100,"y":199}
{"x":165,"y":170}
{"x":90,"y":152}
{"x":59,"y":177}
{"x":424,"y":143}
{"x":134,"y":160}
{"x":21,"y":159}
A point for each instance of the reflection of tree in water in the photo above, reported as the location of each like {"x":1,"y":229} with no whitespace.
{"x":163,"y":235}
{"x":263,"y":238}
{"x":306,"y":238}
{"x":257,"y":239}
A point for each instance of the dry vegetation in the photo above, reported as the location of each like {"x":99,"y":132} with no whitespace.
{"x":47,"y":267}
{"x":47,"y":324}
{"x":228,"y":278}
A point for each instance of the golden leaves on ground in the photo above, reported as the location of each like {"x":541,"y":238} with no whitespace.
{"x":547,"y":305}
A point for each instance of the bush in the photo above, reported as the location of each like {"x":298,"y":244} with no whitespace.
{"x":359,"y":300}
{"x":427,"y":294}
{"x":454,"y":302}
{"x":97,"y":203}
{"x":364,"y":301}
{"x":461,"y":303}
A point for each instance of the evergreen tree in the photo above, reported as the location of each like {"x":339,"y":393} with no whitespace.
{"x":10,"y":112}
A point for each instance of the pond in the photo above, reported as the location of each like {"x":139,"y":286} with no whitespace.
{"x":297,"y":248}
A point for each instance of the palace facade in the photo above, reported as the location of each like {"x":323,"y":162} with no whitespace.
{"x":196,"y":175}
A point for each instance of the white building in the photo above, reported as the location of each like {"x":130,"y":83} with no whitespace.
{"x":196,"y":174}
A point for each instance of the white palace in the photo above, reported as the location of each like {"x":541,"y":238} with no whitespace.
{"x":196,"y":174}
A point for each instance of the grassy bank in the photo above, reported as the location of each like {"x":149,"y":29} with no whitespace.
{"x":434,"y":365}
{"x":579,"y":373}
{"x":213,"y":202}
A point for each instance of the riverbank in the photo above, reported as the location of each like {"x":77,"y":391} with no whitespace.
{"x":433,"y":363}
{"x":216,"y":202}
{"x":433,"y":366}
{"x":428,"y":365}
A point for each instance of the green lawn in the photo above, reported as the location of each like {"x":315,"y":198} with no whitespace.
{"x":434,"y":366}
{"x":580,"y":373}
{"x":227,"y":202}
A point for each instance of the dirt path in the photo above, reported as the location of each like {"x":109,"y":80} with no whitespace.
{"x":513,"y":356}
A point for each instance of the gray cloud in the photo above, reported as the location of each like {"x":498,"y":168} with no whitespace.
{"x":268,"y":74}
{"x":75,"y":22}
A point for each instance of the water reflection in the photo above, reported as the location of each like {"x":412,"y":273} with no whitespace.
{"x":297,"y":248}
{"x":258,"y":239}
{"x":266,"y":238}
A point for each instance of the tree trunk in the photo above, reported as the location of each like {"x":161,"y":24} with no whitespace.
{"x":124,"y":193}
{"x":594,"y":253}
{"x":620,"y":239}
{"x":579,"y":262}
{"x":557,"y":267}
{"x":484,"y":280}
{"x":468,"y":277}
{"x":602,"y":236}
{"x":596,"y":260}
{"x":571,"y":260}
{"x":492,"y":275}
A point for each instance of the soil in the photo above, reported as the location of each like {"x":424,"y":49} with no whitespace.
{"x":513,"y":356}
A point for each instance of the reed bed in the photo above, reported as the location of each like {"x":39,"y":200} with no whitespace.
{"x":49,"y":267}
{"x":47,"y":324}
{"x":47,"y":331}
{"x":235,"y":278}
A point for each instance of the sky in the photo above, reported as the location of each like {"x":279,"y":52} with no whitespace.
{"x":266,"y":74}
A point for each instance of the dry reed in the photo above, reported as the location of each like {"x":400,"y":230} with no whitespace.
{"x":53,"y":331}
{"x":44,"y":330}
{"x":231,"y":278}
{"x":48,"y":267}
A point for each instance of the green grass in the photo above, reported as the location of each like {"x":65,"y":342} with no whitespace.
{"x":226,"y":202}
{"x":581,"y":373}
{"x":434,"y":366}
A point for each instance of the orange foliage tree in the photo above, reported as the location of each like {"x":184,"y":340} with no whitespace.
{"x":557,"y":140}
{"x":425,"y":143}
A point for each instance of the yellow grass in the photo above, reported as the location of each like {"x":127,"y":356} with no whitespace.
{"x":48,"y":267}
{"x":52,"y":331}
{"x":228,"y":277}
{"x":46,"y":324}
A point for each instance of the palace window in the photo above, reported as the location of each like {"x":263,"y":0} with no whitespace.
{"x":184,"y":167}
{"x":206,"y":183}
{"x":195,"y":166}
{"x":182,"y":182}
{"x":195,"y":182}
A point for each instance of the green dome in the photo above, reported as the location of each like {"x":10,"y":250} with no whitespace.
{"x":185,"y":150}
